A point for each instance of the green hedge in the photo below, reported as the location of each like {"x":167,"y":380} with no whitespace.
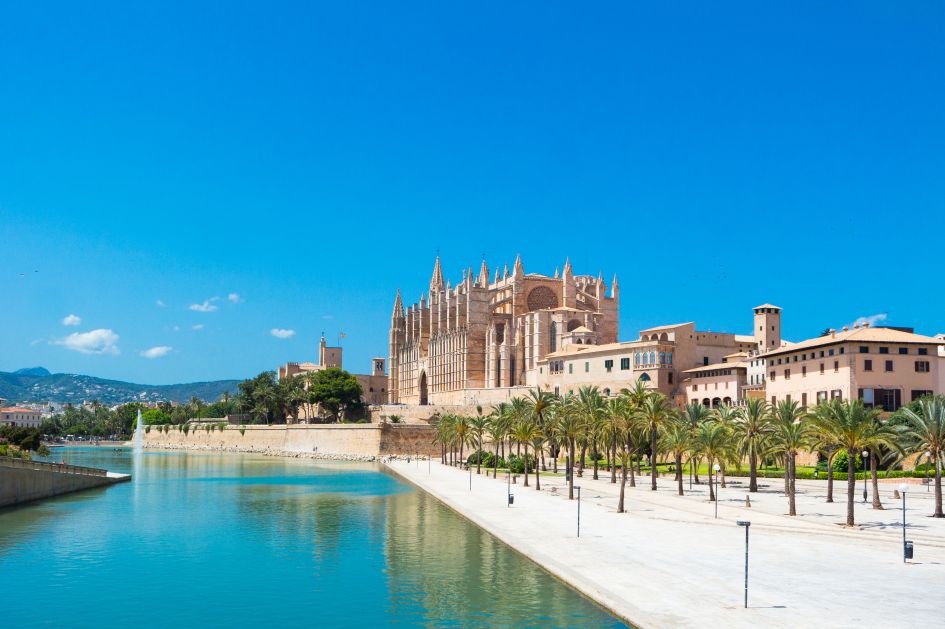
{"x":809,"y":475}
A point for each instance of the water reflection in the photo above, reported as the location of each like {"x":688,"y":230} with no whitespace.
{"x":228,"y":539}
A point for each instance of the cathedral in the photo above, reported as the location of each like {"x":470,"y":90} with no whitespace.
{"x":476,"y":341}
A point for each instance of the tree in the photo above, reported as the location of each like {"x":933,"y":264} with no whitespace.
{"x":713,"y":442}
{"x":851,"y":425}
{"x":334,"y":390}
{"x":291,"y":394}
{"x":789,"y":435}
{"x":923,"y":430}
{"x":753,"y":428}
{"x":570,"y":428}
{"x":677,"y":440}
{"x":539,"y":402}
{"x":654,"y":413}
{"x":477,"y":428}
{"x":694,"y":415}
{"x":524,"y":432}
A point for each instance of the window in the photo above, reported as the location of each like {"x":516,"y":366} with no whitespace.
{"x":670,"y":377}
{"x":557,"y":390}
{"x":787,"y":374}
{"x":624,"y":364}
{"x":836,"y":394}
{"x":772,"y":376}
{"x":843,"y":350}
{"x":917,"y":393}
{"x":705,"y":361}
{"x":883,"y":350}
{"x":587,"y":366}
{"x":922,"y":366}
{"x":821,"y":353}
{"x":923,"y":351}
{"x":830,"y":352}
{"x":774,"y":400}
{"x":570,"y":367}
{"x":695,"y":387}
{"x":553,"y":337}
{"x":864,"y":349}
{"x":609,"y":364}
{"x":867,"y":365}
{"x":669,"y":358}
{"x":821,"y":396}
{"x":803,"y":372}
{"x":836,"y":366}
{"x":889,"y":365}
{"x":804,"y":400}
{"x":903,"y":350}
{"x":821,"y":368}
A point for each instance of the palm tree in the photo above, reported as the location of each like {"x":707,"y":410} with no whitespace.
{"x":462,"y":431}
{"x":789,"y":435}
{"x":539,"y":402}
{"x":713,"y":442}
{"x":677,"y":440}
{"x":853,"y":426}
{"x":694,"y":415}
{"x":570,"y":428}
{"x":753,"y":427}
{"x":924,"y":431}
{"x":497,"y":429}
{"x":614,"y":413}
{"x":524,"y":432}
{"x":654,"y":413}
{"x":538,"y":443}
{"x":477,"y":428}
{"x":728,"y":416}
{"x":822,"y":441}
{"x":590,"y":407}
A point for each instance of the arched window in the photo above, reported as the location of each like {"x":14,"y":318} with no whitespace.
{"x":553,"y":341}
{"x":636,"y":359}
{"x":662,"y":358}
{"x":644,"y":377}
{"x":652,"y":358}
{"x":669,"y":358}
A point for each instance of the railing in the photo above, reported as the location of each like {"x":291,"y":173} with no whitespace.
{"x":7,"y":461}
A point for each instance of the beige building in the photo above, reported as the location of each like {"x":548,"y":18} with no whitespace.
{"x":886,"y":367}
{"x":25,"y":417}
{"x":373,"y":385}
{"x":486,"y":338}
{"x":718,"y":383}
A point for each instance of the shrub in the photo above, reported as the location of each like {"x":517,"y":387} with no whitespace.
{"x":186,"y":429}
{"x":488,"y":459}
{"x":841,"y":459}
{"x":517,"y":464}
{"x":242,"y":431}
{"x":394,"y":419}
{"x":147,"y":429}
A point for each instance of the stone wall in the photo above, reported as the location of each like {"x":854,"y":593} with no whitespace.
{"x":20,"y":484}
{"x":342,"y":440}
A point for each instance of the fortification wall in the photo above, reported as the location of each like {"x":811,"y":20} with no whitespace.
{"x":24,"y":484}
{"x":342,"y":440}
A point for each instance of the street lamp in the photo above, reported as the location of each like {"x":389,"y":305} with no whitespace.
{"x":746,"y":524}
{"x":509,"y":497}
{"x":716,"y":467}
{"x":470,"y":477}
{"x":578,"y":487}
{"x":865,"y":456}
{"x":906,"y":545}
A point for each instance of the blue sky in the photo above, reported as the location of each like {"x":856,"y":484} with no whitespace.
{"x":311,"y":158}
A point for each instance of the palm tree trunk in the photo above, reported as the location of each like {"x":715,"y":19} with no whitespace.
{"x":594,"y":454}
{"x":722,"y":469}
{"x":851,"y":485}
{"x":495,"y":461}
{"x":938,"y":489}
{"x":830,"y":454}
{"x":554,"y":458}
{"x":752,"y":470}
{"x":525,"y":463}
{"x":581,"y":465}
{"x":653,"y":458}
{"x":571,"y":469}
{"x":613,"y":458}
{"x":633,"y":477}
{"x":679,"y":485}
{"x":623,"y":487}
{"x":874,"y":463}
{"x":479,"y":458}
{"x":791,"y":472}
{"x":711,"y":482}
{"x":537,"y":481}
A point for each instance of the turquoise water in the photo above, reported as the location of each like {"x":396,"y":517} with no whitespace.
{"x":213,"y":540}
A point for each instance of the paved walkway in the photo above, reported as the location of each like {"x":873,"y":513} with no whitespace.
{"x":669,"y":562}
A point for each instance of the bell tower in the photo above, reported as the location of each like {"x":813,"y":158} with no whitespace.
{"x":767,"y":327}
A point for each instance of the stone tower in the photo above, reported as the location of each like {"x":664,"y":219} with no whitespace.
{"x":767,"y":327}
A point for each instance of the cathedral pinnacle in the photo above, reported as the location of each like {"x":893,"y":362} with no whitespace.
{"x":398,"y":307}
{"x":436,"y":282}
{"x":483,"y":279}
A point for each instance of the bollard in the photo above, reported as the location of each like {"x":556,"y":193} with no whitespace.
{"x":748,"y":502}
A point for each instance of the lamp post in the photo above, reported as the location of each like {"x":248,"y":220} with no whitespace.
{"x":865,"y":455}
{"x":716,"y":467}
{"x":906,"y":550}
{"x":578,"y":487}
{"x":470,"y":477}
{"x":746,"y":524}
{"x":508,"y":496}
{"x":690,"y":474}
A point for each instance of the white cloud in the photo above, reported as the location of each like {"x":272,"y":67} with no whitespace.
{"x":282,"y":334}
{"x":156,"y":352}
{"x":72,"y":320}
{"x":99,"y":341}
{"x":871,"y":319}
{"x":198,"y":326}
{"x":206,"y":306}
{"x":160,"y":303}
{"x":234,"y":298}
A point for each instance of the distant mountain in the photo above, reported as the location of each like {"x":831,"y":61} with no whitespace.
{"x":39,"y":372}
{"x":36,"y":384}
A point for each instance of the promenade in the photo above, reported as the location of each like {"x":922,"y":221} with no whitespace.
{"x":668,"y":562}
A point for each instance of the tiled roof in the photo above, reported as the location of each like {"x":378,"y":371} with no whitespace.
{"x":865,"y":335}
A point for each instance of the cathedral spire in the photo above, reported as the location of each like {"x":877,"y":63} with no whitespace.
{"x":557,"y":274}
{"x":398,"y":307}
{"x":436,"y":282}
{"x":483,"y":279}
{"x":505,"y":272}
{"x":496,"y":280}
{"x":518,"y":270}
{"x":567,"y":267}
{"x":614,"y":288}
